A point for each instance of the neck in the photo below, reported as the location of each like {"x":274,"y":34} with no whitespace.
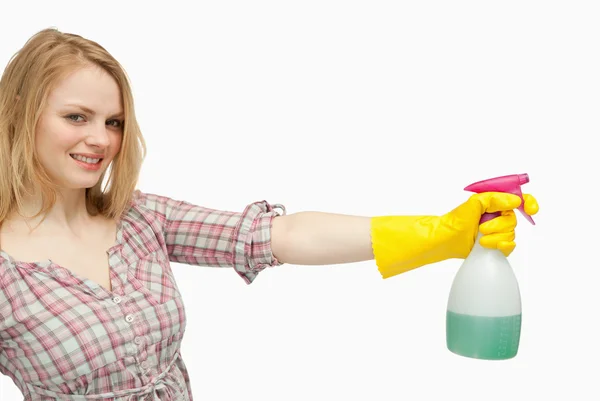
{"x":477,"y":246}
{"x":69,"y":210}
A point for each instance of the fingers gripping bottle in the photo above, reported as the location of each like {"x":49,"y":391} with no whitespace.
{"x":483,"y":317}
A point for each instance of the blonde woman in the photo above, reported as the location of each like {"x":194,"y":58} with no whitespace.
{"x":89,"y":308}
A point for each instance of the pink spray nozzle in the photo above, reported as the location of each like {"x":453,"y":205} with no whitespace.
{"x":509,"y":184}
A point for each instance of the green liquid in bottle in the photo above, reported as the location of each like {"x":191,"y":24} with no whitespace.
{"x":483,"y":337}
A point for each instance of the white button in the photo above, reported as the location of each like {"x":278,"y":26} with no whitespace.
{"x":129,"y":318}
{"x":138,"y":340}
{"x":145,"y":365}
{"x":117,"y":300}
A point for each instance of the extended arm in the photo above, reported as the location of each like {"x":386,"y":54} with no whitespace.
{"x":316,"y":238}
{"x":397,"y":243}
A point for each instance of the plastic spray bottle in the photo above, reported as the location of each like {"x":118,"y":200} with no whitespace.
{"x":483,"y":317}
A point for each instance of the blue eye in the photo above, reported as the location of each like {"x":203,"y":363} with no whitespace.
{"x":119,"y":123}
{"x":70,"y":117}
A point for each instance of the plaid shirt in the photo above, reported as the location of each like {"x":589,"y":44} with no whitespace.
{"x":66,"y":337}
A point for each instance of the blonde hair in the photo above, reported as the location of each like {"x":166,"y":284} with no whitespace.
{"x":31,"y":74}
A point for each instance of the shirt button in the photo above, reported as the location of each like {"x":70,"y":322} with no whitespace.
{"x":137,"y":340}
{"x":145,"y":365}
{"x":117,"y":300}
{"x":129,"y":318}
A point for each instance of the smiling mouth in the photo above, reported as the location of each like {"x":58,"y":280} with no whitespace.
{"x":87,"y":160}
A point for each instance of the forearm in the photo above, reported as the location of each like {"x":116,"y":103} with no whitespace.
{"x":317,"y":238}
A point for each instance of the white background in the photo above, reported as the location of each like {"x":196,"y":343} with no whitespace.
{"x":367,"y":108}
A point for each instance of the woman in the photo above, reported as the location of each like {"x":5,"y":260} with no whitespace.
{"x":89,"y":308}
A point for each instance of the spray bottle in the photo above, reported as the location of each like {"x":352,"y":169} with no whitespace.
{"x":483,"y":317}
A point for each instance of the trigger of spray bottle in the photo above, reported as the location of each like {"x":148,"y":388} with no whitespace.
{"x":509,"y":184}
{"x":483,"y":318}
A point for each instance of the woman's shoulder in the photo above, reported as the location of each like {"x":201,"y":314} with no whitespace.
{"x":153,"y":205}
{"x":148,"y":209}
{"x":150,"y":201}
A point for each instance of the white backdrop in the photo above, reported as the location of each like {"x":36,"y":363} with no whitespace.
{"x":368,"y":108}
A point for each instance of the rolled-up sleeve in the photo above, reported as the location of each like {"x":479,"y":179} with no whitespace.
{"x":202,"y":236}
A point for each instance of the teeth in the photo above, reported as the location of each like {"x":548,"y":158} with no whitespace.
{"x":85,"y":159}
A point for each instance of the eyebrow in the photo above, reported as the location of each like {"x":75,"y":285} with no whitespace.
{"x":92,"y":112}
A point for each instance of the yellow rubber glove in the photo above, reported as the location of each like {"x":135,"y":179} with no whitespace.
{"x":403,"y":243}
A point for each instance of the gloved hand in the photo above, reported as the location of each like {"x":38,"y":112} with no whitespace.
{"x":402,"y":243}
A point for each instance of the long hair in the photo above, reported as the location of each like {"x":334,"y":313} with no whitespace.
{"x":31,"y":74}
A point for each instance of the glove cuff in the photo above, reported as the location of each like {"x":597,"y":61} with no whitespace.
{"x":404,"y":243}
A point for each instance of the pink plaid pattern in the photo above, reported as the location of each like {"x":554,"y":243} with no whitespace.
{"x":63,"y":337}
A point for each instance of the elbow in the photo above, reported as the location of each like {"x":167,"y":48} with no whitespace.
{"x":280,"y":238}
{"x":293,"y":242}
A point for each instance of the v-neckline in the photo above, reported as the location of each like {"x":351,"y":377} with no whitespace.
{"x":55,"y":269}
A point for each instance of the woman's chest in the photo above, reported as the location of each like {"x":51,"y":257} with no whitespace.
{"x":90,"y":263}
{"x":78,"y":327}
{"x":85,"y":257}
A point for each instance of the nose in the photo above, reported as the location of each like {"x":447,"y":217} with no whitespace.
{"x":98,"y":136}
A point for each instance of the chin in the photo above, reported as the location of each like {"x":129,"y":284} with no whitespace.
{"x":79,"y":184}
{"x":88,"y":185}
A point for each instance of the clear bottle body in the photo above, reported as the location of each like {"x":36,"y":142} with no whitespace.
{"x":483,"y":318}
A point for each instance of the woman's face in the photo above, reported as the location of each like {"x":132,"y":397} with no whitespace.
{"x":80,"y":130}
